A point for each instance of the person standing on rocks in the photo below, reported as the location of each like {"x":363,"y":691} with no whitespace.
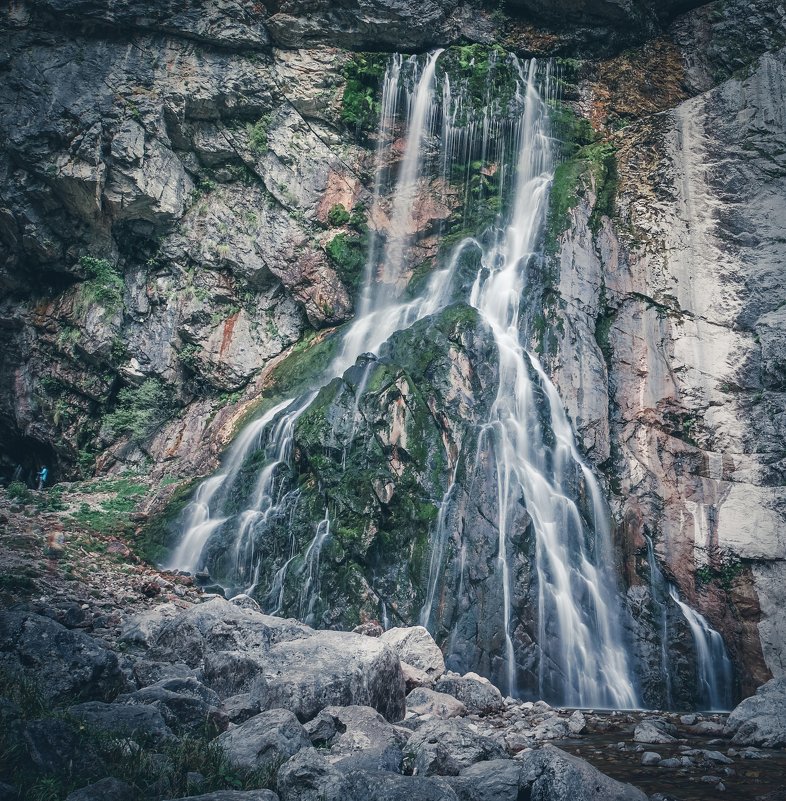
{"x":43,"y":474}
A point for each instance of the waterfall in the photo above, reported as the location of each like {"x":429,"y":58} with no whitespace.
{"x":582,"y":660}
{"x":714,"y":671}
{"x":381,"y":314}
{"x":582,"y":657}
{"x":658,"y":589}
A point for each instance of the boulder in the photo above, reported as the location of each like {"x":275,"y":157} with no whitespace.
{"x":231,"y":673}
{"x":761,"y":719}
{"x":147,"y":672}
{"x":423,"y":701}
{"x":478,"y":694}
{"x":280,"y":663}
{"x":417,"y":648}
{"x":357,"y":738}
{"x":108,"y":789}
{"x":65,"y":665}
{"x":56,"y":747}
{"x":265,"y":741}
{"x":652,"y":731}
{"x":335,"y":668}
{"x":650,"y":758}
{"x":445,"y":747}
{"x":310,"y":777}
{"x":553,"y":728}
{"x":234,"y":795}
{"x":546,"y":774}
{"x":125,"y":720}
{"x":185,"y":704}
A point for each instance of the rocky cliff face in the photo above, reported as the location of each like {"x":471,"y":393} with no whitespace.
{"x":168,"y":224}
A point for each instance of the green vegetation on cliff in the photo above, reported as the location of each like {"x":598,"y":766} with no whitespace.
{"x":360,"y":104}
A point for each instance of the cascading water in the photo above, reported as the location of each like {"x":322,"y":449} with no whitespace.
{"x":582,"y":659}
{"x":715,"y":675}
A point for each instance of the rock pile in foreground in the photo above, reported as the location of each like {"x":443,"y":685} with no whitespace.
{"x":295,"y":714}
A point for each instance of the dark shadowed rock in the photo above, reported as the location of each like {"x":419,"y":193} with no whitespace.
{"x":445,"y":747}
{"x":55,"y":747}
{"x":126,"y":720}
{"x":234,"y":795}
{"x":108,"y":789}
{"x":264,"y":741}
{"x":65,"y":665}
{"x":185,"y":704}
{"x":761,"y":719}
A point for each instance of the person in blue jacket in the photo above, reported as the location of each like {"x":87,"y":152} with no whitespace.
{"x":42,"y":476}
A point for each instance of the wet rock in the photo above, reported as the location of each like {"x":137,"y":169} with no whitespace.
{"x":546,"y":774}
{"x":108,"y":789}
{"x":671,"y":762}
{"x":652,"y":731}
{"x":650,"y":758}
{"x":416,"y":647}
{"x":423,"y":701}
{"x":688,"y":720}
{"x":65,"y":665}
{"x":264,"y":741}
{"x":125,"y":720}
{"x":761,"y":719}
{"x":444,"y":747}
{"x":478,"y":694}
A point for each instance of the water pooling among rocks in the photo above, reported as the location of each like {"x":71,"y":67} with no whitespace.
{"x":435,"y":476}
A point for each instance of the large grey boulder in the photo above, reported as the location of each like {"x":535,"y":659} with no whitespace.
{"x":477,"y":693}
{"x":417,"y":648}
{"x":445,"y":747}
{"x":547,"y":774}
{"x":265,"y":741}
{"x":279,"y":663}
{"x":125,"y":720}
{"x":65,"y":665}
{"x":335,"y":668}
{"x":357,"y":737}
{"x":761,"y":719}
